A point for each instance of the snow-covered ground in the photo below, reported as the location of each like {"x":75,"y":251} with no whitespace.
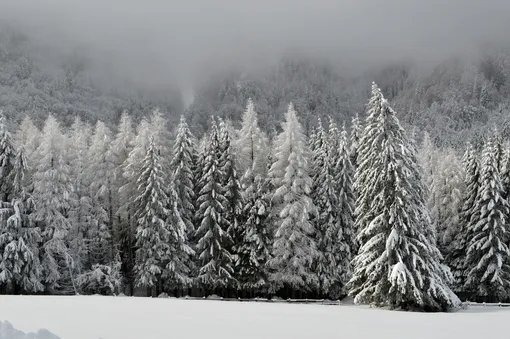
{"x":144,"y":318}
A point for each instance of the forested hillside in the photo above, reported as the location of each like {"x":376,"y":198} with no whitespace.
{"x":67,"y":86}
{"x":454,"y":100}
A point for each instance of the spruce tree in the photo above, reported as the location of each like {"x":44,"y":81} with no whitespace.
{"x":294,"y":249}
{"x":447,"y":188}
{"x":487,"y":260}
{"x":356,"y":131}
{"x":80,"y":209}
{"x":468,"y":218}
{"x":254,"y":249}
{"x":215,"y":263}
{"x":344,"y":247}
{"x":231,"y":188}
{"x":52,"y":200}
{"x":325,"y":223}
{"x":123,"y":235}
{"x":182,"y":166}
{"x":20,"y":268}
{"x":7,"y":155}
{"x":159,"y":239}
{"x":128,"y":192}
{"x":100,"y":172}
{"x":398,"y":264}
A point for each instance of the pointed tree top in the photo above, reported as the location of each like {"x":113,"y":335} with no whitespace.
{"x":249,"y":104}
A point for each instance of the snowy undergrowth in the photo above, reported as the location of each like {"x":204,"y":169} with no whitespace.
{"x":96,"y":317}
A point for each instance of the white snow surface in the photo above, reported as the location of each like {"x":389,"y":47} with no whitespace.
{"x":156,"y":318}
{"x":9,"y":332}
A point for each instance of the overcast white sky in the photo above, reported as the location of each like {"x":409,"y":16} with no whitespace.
{"x":162,"y":39}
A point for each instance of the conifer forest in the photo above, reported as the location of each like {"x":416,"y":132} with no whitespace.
{"x":138,"y":162}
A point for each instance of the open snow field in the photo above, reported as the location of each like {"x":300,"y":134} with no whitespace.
{"x":143,"y":318}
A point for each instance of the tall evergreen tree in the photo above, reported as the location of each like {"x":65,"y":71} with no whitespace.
{"x":325,"y":223}
{"x":128,"y":192}
{"x":80,"y":209}
{"x":7,"y":155}
{"x":397,"y":264}
{"x":468,"y":218}
{"x":356,"y":131}
{"x":214,"y":259}
{"x":231,"y":189}
{"x":121,"y":149}
{"x":101,"y":171}
{"x":52,"y":200}
{"x":487,"y":260}
{"x":255,"y":245}
{"x":294,"y":249}
{"x":20,"y":268}
{"x":343,"y":248}
{"x":158,"y":242}
{"x":182,"y":166}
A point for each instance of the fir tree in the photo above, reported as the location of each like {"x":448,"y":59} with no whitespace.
{"x":215,"y":260}
{"x":159,"y":242}
{"x":398,"y":264}
{"x":356,"y":131}
{"x":343,"y":248}
{"x":52,"y":200}
{"x":255,"y":245}
{"x":101,"y":171}
{"x":488,"y":270}
{"x":294,"y":249}
{"x":182,"y":167}
{"x":447,"y":188}
{"x":128,"y":192}
{"x":80,"y":210}
{"x":7,"y":155}
{"x":231,"y":188}
{"x":123,"y":235}
{"x":20,"y":268}
{"x":325,"y":223}
{"x":468,"y":218}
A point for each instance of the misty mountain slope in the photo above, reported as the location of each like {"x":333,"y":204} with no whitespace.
{"x":459,"y":98}
{"x":66,"y":87}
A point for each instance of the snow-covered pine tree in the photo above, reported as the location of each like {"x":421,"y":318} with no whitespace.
{"x":20,"y":268}
{"x":80,"y":210}
{"x":505,"y":170}
{"x":398,"y":265}
{"x":445,"y":199}
{"x":294,"y":249}
{"x":214,"y":260}
{"x":456,"y":257}
{"x":159,"y":243}
{"x":356,"y":131}
{"x":325,"y":223}
{"x":487,"y":260}
{"x":7,"y":155}
{"x":252,"y":147}
{"x":121,"y":148}
{"x":255,"y":245}
{"x":182,"y":166}
{"x":131,"y":169}
{"x":52,"y":200}
{"x":28,"y":137}
{"x":343,"y":248}
{"x":231,"y":189}
{"x":161,"y":137}
{"x":364,"y":198}
{"x":100,"y":172}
